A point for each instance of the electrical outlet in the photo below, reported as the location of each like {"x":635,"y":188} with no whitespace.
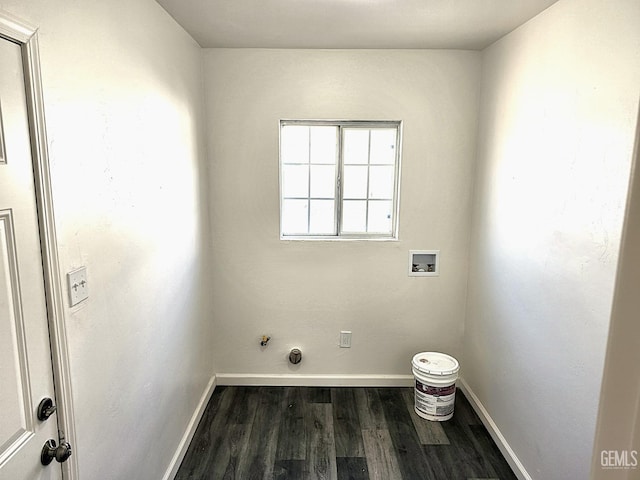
{"x":345,"y":339}
{"x":78,"y":287}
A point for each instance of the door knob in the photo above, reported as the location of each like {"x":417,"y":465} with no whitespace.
{"x":51,"y":451}
{"x":45,"y":409}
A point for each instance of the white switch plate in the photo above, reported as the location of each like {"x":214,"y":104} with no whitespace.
{"x":78,"y":286}
{"x":345,"y":339}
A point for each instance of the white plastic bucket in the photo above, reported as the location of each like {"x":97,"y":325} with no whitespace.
{"x":435,"y":387}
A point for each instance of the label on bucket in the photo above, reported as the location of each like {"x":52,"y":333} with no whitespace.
{"x":436,"y":401}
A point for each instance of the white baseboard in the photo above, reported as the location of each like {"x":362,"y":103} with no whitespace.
{"x":494,"y":431}
{"x":257,"y":379}
{"x":190,"y":431}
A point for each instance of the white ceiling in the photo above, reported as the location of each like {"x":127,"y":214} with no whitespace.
{"x":458,"y":24}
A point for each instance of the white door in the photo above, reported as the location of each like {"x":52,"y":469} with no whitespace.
{"x":25,"y":358}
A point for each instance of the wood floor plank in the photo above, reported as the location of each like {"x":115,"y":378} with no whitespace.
{"x":459,"y":459}
{"x":466,"y":460}
{"x":288,"y":470}
{"x":346,"y":423}
{"x":463,"y":411}
{"x":429,"y":433}
{"x":445,"y":462}
{"x":382,"y":462}
{"x":317,"y":394}
{"x":411,"y":458}
{"x":352,"y":468}
{"x":291,"y":436}
{"x":485,"y":444}
{"x":232,"y":449}
{"x":243,"y":406}
{"x":210,"y":433}
{"x":369,"y":408}
{"x":321,"y":450}
{"x":259,"y":458}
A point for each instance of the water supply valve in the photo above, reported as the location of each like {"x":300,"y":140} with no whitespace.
{"x":295,"y":356}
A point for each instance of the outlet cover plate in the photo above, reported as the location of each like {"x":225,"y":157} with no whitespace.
{"x":345,"y":339}
{"x":78,"y":286}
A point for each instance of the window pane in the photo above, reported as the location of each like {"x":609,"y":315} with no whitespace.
{"x":294,"y":216}
{"x":324,"y":143}
{"x":356,"y":146}
{"x":381,"y":182}
{"x":323,"y":181}
{"x":379,"y":217}
{"x":354,"y":216}
{"x":322,"y":219}
{"x":294,"y":144}
{"x":383,"y":146}
{"x":295,"y":181}
{"x":354,"y":183}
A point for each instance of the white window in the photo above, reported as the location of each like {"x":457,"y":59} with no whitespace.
{"x":339,"y":179}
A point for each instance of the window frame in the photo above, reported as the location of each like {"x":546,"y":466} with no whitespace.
{"x":341,"y":125}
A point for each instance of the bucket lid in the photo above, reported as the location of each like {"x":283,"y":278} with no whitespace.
{"x":434,"y":363}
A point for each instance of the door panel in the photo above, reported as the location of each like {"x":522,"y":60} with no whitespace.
{"x":25,"y":356}
{"x":15,"y":402}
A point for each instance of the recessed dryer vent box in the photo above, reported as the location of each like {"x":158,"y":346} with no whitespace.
{"x":424,"y":263}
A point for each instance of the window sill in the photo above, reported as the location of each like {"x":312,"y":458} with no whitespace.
{"x":337,"y":239}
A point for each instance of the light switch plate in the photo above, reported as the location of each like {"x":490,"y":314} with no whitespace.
{"x":78,"y":286}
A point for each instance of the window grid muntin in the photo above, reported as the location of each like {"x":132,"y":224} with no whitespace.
{"x":368,"y":199}
{"x":341,"y":126}
{"x":309,"y":198}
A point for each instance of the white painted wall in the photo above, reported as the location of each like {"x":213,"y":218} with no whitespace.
{"x":557,"y":124}
{"x":304,"y":293}
{"x":123,"y":101}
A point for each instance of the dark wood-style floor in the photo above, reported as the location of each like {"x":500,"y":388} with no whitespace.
{"x":336,"y":433}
